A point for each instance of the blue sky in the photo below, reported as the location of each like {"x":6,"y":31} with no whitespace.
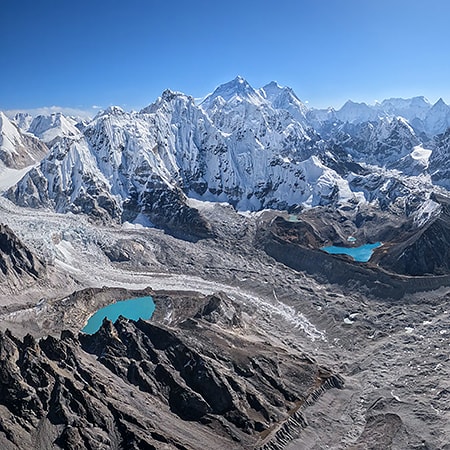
{"x":82,"y":53}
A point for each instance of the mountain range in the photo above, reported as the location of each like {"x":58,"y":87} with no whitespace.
{"x":221,"y":210}
{"x":252,"y":148}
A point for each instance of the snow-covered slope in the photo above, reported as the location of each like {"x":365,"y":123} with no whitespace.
{"x":18,"y":150}
{"x":128,"y":164}
{"x":357,"y":112}
{"x":284,"y":98}
{"x":437,"y":119}
{"x":439,"y":160}
{"x":382,"y":143}
{"x":50,"y":127}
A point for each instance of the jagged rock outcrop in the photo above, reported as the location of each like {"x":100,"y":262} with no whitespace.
{"x":200,"y":383}
{"x":18,"y":265}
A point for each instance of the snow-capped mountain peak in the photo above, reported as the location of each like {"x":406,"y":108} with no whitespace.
{"x":17,"y":149}
{"x":440,"y":104}
{"x":9,"y":135}
{"x":353,"y":112}
{"x":111,"y":110}
{"x":23,"y":121}
{"x":410,"y":108}
{"x":437,"y":119}
{"x":50,"y":127}
{"x":251,"y":148}
{"x":284,"y":98}
{"x":235,"y":91}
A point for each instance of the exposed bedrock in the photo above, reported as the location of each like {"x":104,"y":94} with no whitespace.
{"x":18,"y":265}
{"x":208,"y":381}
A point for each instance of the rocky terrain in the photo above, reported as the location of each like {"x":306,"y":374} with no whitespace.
{"x":18,"y":265}
{"x":226,"y":303}
{"x":208,"y":378}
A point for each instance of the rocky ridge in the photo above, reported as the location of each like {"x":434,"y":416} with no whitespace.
{"x":18,"y":265}
{"x":150,"y":385}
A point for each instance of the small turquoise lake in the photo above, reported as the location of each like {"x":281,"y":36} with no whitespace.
{"x":360,"y":254}
{"x":134,"y":309}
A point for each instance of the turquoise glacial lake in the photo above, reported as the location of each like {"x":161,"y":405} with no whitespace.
{"x":134,"y":309}
{"x":360,"y":254}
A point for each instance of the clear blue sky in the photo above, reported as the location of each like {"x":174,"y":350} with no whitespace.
{"x":79,"y":53}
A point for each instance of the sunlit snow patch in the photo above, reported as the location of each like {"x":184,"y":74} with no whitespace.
{"x":9,"y":177}
{"x":422,"y":154}
{"x":141,"y":221}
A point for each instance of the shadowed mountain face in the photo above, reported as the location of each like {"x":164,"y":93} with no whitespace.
{"x":427,"y":250}
{"x":18,"y":265}
{"x":142,"y":385}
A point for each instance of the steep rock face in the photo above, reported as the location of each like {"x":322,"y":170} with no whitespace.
{"x":199,"y":383}
{"x":67,"y":180}
{"x":18,"y":150}
{"x":426,"y":251}
{"x":110,"y":175}
{"x":18,"y":265}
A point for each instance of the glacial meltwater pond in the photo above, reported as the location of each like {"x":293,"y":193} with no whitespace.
{"x":360,"y":254}
{"x":134,"y":309}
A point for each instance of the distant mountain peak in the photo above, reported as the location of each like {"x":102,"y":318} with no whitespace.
{"x":237,"y":89}
{"x":440,"y":103}
{"x":112,"y":110}
{"x":168,"y":95}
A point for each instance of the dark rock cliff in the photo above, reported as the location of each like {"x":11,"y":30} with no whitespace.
{"x":426,"y":251}
{"x":18,"y":265}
